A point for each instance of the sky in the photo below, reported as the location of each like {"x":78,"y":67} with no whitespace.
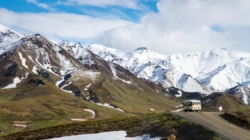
{"x":163,"y":26}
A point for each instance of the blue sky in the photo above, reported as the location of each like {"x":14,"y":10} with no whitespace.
{"x":163,"y":26}
{"x":110,"y":10}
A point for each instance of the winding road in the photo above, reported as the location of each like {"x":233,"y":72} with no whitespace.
{"x":213,"y":121}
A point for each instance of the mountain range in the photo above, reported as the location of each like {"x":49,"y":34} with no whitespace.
{"x":219,"y":70}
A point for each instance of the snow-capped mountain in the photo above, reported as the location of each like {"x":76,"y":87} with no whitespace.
{"x":8,"y":36}
{"x":232,"y":74}
{"x":215,"y":70}
{"x":35,"y":54}
{"x":33,"y":60}
{"x":151,"y":66}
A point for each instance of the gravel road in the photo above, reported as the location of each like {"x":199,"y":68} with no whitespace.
{"x":213,"y":121}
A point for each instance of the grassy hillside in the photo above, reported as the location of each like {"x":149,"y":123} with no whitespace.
{"x":228,"y":102}
{"x":164,"y":125}
{"x":44,"y":105}
{"x":39,"y":103}
{"x":131,"y":100}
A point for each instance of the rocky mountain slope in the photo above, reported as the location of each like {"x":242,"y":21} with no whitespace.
{"x":242,"y":92}
{"x":44,"y":82}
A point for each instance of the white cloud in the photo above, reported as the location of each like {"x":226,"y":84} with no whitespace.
{"x":186,"y":26}
{"x":179,"y":26}
{"x":42,"y":5}
{"x":58,"y":25}
{"x":133,"y":4}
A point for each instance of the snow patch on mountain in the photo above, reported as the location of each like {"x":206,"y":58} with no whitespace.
{"x":109,"y":106}
{"x":23,"y":60}
{"x":220,"y":108}
{"x":92,"y":112}
{"x":241,"y":91}
{"x":16,"y":81}
{"x":114,"y":73}
{"x":93,"y":76}
{"x":66,"y":86}
{"x":207,"y":101}
{"x":178,"y":95}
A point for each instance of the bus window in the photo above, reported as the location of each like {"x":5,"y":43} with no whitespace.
{"x":187,"y":103}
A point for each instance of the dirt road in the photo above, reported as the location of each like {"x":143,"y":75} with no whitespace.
{"x":213,"y":121}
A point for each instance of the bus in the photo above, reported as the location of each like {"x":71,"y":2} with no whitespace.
{"x":191,"y":105}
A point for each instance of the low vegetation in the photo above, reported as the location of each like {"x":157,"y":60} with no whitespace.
{"x":240,"y":117}
{"x":162,"y":124}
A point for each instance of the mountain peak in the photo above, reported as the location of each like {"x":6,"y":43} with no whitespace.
{"x":141,"y":48}
{"x":65,"y":43}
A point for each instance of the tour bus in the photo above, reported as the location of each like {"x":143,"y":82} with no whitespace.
{"x":191,"y":105}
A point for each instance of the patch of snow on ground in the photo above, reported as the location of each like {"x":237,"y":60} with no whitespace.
{"x":91,"y":111}
{"x":20,"y":125}
{"x":113,"y":135}
{"x":60,"y":81}
{"x":179,"y":106}
{"x":220,"y":108}
{"x":23,"y":60}
{"x":109,"y":106}
{"x":66,"y":85}
{"x":78,"y":120}
{"x":88,"y":85}
{"x":178,"y":95}
{"x":86,"y":88}
{"x":178,"y":110}
{"x":67,"y":90}
{"x":35,"y":70}
{"x":14,"y":84}
{"x":207,"y":101}
{"x":151,"y":109}
{"x":26,"y":75}
{"x":46,"y":67}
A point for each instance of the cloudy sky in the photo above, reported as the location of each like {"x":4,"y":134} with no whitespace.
{"x":163,"y":26}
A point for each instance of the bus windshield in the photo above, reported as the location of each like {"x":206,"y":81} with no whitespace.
{"x":187,"y":103}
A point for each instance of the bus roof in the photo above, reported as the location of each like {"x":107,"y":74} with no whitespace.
{"x":192,"y":101}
